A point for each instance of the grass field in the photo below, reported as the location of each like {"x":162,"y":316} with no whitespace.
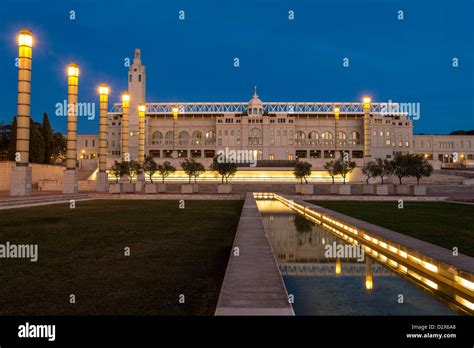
{"x":445,"y":224}
{"x":82,"y":252}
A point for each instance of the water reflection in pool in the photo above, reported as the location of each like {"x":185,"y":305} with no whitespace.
{"x":331,"y":285}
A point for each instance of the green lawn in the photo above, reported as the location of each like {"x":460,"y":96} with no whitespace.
{"x":81,"y":251}
{"x":445,"y":224}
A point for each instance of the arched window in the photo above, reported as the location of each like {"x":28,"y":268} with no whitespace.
{"x":300,"y":138}
{"x":157,"y":138}
{"x":327,"y":138}
{"x":169,"y":138}
{"x":196,"y":138}
{"x":183,"y":138}
{"x":255,"y":137}
{"x":354,"y":138}
{"x":210,"y":138}
{"x":313,"y":138}
{"x":341,"y":138}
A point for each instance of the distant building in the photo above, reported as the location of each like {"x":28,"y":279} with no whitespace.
{"x":275,"y":132}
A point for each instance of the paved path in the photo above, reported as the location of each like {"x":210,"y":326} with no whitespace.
{"x":37,"y":200}
{"x":252,"y":284}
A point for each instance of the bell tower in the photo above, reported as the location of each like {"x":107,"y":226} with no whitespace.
{"x":137,"y":92}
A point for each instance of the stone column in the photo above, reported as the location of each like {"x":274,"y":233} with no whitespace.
{"x":70,"y":174}
{"x":141,"y":146}
{"x":102,"y":181}
{"x":175,"y":111}
{"x":21,"y":173}
{"x":336,"y":130}
{"x":125,"y":127}
{"x":126,"y":157}
{"x":367,"y":102}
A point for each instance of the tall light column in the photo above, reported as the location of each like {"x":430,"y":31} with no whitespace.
{"x":336,"y":130}
{"x":125,"y":127}
{"x":21,"y":173}
{"x":140,"y":184}
{"x":141,"y":133}
{"x":367,"y":102}
{"x":175,"y":110}
{"x":70,"y":174}
{"x":102,"y":182}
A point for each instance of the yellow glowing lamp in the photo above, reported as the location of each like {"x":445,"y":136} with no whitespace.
{"x":175,"y":112}
{"x":73,"y":69}
{"x":338,"y":267}
{"x":336,"y":112}
{"x":369,"y":285}
{"x":367,"y":102}
{"x":25,"y":38}
{"x":125,"y":97}
{"x":141,"y":110}
{"x":104,"y":89}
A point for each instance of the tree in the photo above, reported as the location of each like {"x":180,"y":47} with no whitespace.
{"x":420,"y":167}
{"x":117,"y":170}
{"x":343,"y":168}
{"x":36,"y":143}
{"x":401,"y":166}
{"x":369,"y":171}
{"x":224,"y":168}
{"x":165,"y":170}
{"x":302,"y":224}
{"x":59,"y":148}
{"x":12,"y":143}
{"x":302,"y":170}
{"x":131,"y":168}
{"x":192,"y":168}
{"x":384,"y":168}
{"x":331,"y":169}
{"x":150,"y":167}
{"x":47,"y":134}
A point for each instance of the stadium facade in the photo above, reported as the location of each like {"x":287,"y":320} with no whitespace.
{"x":276,"y":133}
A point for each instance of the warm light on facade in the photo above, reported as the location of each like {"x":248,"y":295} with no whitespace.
{"x":336,"y":112}
{"x":25,"y":38}
{"x":125,"y":98}
{"x":141,"y":108}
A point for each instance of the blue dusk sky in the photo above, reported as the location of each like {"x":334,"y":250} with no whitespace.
{"x":407,"y":60}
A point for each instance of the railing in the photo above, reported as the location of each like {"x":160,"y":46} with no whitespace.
{"x":270,"y":107}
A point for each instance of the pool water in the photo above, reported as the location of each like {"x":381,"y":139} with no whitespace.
{"x":322,"y":284}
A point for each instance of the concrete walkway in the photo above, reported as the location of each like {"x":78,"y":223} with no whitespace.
{"x":252,"y":284}
{"x":37,"y":200}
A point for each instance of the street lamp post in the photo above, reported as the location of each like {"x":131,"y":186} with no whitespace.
{"x":125,"y":127}
{"x":336,"y":130}
{"x":175,"y":111}
{"x":367,"y":102}
{"x":21,"y":174}
{"x":102,"y":181}
{"x":141,"y":146}
{"x":70,"y":174}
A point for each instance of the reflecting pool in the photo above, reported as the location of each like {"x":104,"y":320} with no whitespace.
{"x":324,"y":276}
